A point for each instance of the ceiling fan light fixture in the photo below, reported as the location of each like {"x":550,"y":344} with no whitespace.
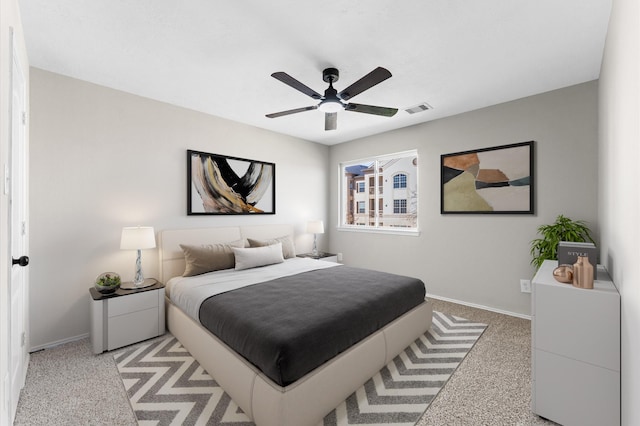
{"x":332,"y":101}
{"x":330,"y":105}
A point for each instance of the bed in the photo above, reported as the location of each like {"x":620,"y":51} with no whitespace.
{"x":262,"y":396}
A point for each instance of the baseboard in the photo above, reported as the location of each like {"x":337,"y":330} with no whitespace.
{"x":474,"y":305}
{"x":58,"y":343}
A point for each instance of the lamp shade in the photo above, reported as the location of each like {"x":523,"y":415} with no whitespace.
{"x":315,"y":227}
{"x":137,"y":237}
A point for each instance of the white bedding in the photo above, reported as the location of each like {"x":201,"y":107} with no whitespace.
{"x":188,"y":293}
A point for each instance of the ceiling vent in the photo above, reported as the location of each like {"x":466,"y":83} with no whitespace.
{"x":419,"y":108}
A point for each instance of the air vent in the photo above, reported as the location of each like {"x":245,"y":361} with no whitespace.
{"x":419,"y":108}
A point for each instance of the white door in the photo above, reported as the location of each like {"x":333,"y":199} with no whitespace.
{"x":18,"y":353}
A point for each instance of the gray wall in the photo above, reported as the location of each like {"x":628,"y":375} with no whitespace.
{"x":480,"y":259}
{"x":103,"y":159}
{"x":619,"y":205}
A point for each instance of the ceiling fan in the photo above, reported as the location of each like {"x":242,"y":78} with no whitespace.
{"x":332,"y":101}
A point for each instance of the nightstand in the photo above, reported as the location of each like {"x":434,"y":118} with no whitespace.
{"x":126,"y":317}
{"x":327,"y":257}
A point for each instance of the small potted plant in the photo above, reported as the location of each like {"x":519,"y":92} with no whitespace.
{"x":563,"y":229}
{"x":107,"y":282}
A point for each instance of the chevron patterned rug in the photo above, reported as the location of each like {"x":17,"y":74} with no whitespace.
{"x":166,"y":386}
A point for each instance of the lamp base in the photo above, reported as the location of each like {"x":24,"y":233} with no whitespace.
{"x":130,"y":285}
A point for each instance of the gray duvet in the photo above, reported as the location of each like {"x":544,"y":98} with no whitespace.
{"x":291,"y":325}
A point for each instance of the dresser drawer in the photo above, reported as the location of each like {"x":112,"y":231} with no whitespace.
{"x":133,"y":303}
{"x":575,"y":393}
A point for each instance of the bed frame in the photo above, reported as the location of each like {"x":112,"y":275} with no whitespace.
{"x":309,"y":399}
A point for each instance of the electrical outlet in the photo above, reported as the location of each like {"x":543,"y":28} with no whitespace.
{"x":525,"y":286}
{"x":339,"y":257}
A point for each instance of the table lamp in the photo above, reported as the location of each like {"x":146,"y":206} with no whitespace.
{"x":138,"y":238}
{"x":315,"y":227}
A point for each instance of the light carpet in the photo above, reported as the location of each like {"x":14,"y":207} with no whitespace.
{"x":166,"y":386}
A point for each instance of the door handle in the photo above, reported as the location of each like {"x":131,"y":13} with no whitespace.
{"x":22,"y":261}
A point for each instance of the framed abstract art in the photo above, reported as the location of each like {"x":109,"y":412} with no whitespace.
{"x":222,"y":185}
{"x":496,"y":180}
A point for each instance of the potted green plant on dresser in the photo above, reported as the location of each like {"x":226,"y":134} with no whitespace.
{"x":563,"y":229}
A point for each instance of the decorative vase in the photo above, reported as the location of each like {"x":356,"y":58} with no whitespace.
{"x":107,"y":282}
{"x":564,"y":273}
{"x":583,"y":273}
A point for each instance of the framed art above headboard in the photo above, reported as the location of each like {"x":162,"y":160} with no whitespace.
{"x":222,"y":185}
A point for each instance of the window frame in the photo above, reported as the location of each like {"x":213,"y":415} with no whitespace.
{"x":377,"y":223}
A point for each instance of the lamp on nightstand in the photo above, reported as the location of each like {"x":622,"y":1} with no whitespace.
{"x":315,"y":227}
{"x":138,"y":238}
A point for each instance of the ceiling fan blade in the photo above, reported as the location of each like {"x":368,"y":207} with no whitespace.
{"x":330,"y":120}
{"x":290,"y":81}
{"x":368,"y":81}
{"x":291,"y":111}
{"x":371,"y":109}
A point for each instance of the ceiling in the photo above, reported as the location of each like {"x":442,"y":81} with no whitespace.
{"x":217,"y":57}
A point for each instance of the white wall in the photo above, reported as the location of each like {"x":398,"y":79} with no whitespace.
{"x":619,"y":206}
{"x":480,"y":259}
{"x":103,"y":159}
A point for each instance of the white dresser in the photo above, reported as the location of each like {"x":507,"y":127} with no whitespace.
{"x":575,"y":360}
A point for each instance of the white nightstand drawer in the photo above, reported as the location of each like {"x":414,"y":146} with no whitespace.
{"x":133,"y":303}
{"x":126,"y":329}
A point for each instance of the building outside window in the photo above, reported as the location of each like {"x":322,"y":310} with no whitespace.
{"x":386,"y":195}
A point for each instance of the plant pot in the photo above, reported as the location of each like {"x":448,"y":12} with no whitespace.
{"x":107,"y":282}
{"x":107,"y":289}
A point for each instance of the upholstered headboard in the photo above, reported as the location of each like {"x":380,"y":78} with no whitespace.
{"x":172,"y":262}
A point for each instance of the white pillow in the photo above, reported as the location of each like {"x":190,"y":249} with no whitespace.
{"x":257,"y":256}
{"x":288,"y":249}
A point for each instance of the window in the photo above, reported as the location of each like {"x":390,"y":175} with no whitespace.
{"x":399,"y":206}
{"x":388,"y":182}
{"x":400,"y":181}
